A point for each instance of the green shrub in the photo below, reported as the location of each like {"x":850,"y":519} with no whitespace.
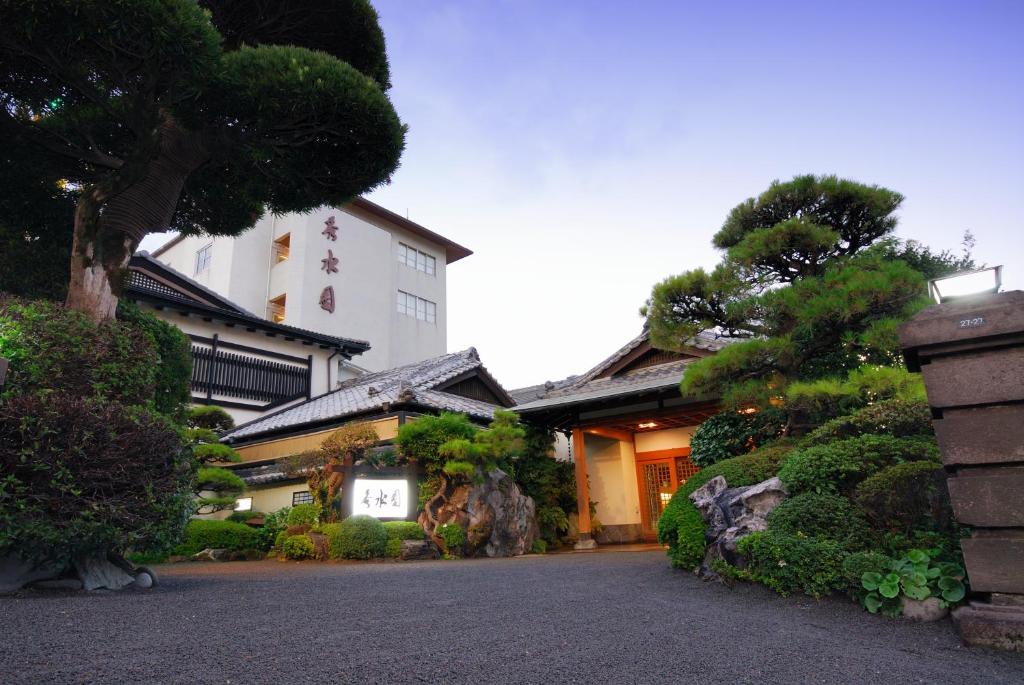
{"x":401,"y":530}
{"x":279,"y":539}
{"x":307,"y":514}
{"x":815,"y":402}
{"x":210,"y":417}
{"x":298,"y":547}
{"x":51,"y":348}
{"x":201,"y":534}
{"x":357,"y":537}
{"x":273,"y":524}
{"x":908,"y":496}
{"x":539,"y":546}
{"x":839,"y":466}
{"x":243,"y":516}
{"x":731,"y":434}
{"x":793,"y":563}
{"x":896,"y":418}
{"x":821,"y":515}
{"x":215,"y":452}
{"x":857,"y":564}
{"x":453,"y":538}
{"x":172,"y":390}
{"x":420,"y":440}
{"x":681,"y":526}
{"x":459,"y":469}
{"x":551,"y":483}
{"x":84,"y":476}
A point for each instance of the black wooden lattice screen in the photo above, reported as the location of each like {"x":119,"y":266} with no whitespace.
{"x":235,"y":375}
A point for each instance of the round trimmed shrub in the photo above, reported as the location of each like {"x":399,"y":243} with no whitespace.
{"x":210,"y":417}
{"x":358,"y":537}
{"x":840,"y":465}
{"x":896,"y":418}
{"x":279,"y":539}
{"x":298,"y":547}
{"x":307,"y":514}
{"x":399,"y":531}
{"x":821,"y":515}
{"x":791,"y":563}
{"x":201,"y":534}
{"x":905,"y":497}
{"x":86,"y":476}
{"x":452,"y":536}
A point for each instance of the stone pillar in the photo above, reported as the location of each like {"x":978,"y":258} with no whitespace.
{"x":971,"y":354}
{"x":579,"y":457}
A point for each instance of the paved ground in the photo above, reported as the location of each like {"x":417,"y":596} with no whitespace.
{"x":600,"y":618}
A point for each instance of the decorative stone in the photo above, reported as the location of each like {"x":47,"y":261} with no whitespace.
{"x":98,"y":572}
{"x":925,"y":610}
{"x":15,"y":573}
{"x":144,"y":579}
{"x":418,"y":550}
{"x":762,"y":498}
{"x":209,"y":554}
{"x":498,"y":519}
{"x":58,"y":584}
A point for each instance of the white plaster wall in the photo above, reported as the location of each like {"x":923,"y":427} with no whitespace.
{"x":612,"y":473}
{"x":365,"y":287}
{"x":269,"y":499}
{"x":671,"y":438}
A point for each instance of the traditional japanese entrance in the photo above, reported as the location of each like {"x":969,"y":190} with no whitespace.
{"x":658,"y":475}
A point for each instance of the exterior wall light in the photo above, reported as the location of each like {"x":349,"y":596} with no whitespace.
{"x":965,"y":284}
{"x":648,"y":424}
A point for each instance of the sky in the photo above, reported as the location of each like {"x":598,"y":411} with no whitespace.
{"x":585,"y":150}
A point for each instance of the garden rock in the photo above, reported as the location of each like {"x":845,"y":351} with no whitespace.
{"x":15,"y":573}
{"x":925,"y":610}
{"x":416,"y":550}
{"x":209,"y":554}
{"x":731,"y":514}
{"x":98,"y":572}
{"x":498,"y":519}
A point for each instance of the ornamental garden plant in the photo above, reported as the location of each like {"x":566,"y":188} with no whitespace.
{"x":810,"y":288}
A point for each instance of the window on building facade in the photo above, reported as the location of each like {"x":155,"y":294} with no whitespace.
{"x":282,"y":247}
{"x":276,"y":308}
{"x":416,"y":259}
{"x":302,"y":497}
{"x":203,"y":257}
{"x":417,"y":307}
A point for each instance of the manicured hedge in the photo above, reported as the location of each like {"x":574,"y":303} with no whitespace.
{"x":357,"y":537}
{"x":895,"y":418}
{"x":298,"y":547}
{"x":401,"y":530}
{"x":791,"y":563}
{"x":201,"y":534}
{"x":821,"y":515}
{"x":907,"y":496}
{"x":307,"y":514}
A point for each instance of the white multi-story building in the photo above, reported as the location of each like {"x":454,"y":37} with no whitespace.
{"x":360,"y":272}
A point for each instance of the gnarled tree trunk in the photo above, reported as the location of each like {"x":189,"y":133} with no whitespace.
{"x":111,"y":221}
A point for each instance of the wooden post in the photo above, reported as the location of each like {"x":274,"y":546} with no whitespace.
{"x":579,"y":458}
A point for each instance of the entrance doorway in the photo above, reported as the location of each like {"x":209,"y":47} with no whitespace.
{"x":658,"y":475}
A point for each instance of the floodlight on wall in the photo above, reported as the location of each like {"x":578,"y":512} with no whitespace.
{"x":966,"y":283}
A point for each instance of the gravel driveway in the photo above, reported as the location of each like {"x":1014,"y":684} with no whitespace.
{"x":567,"y":618}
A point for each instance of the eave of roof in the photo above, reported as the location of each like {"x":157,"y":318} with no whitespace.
{"x":238,"y":316}
{"x":452,"y":250}
{"x":595,"y":394}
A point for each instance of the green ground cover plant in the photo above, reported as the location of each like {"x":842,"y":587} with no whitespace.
{"x":397,"y":532}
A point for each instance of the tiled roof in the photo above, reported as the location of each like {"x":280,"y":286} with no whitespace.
{"x":535,"y":392}
{"x":192,"y":296}
{"x":589,"y":387}
{"x":412,"y":384}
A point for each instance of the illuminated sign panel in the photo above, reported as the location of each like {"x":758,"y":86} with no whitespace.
{"x":387,"y":499}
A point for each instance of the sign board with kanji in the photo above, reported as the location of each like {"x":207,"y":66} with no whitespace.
{"x":381,"y":498}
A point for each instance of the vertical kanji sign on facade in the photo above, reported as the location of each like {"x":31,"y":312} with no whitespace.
{"x":329,"y":264}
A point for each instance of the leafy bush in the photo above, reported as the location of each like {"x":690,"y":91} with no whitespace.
{"x":459,"y":469}
{"x":681,"y":526}
{"x":172,"y":389}
{"x":453,"y":538}
{"x":857,"y":564}
{"x":280,"y":537}
{"x":550,"y":482}
{"x":206,"y":453}
{"x":839,"y":466}
{"x":83,"y":476}
{"x":210,"y":417}
{"x":821,"y":515}
{"x":730,"y":434}
{"x":357,"y":537}
{"x":908,"y":496}
{"x":420,"y":440}
{"x":401,"y":530}
{"x":201,"y":534}
{"x":56,"y":349}
{"x":815,"y":402}
{"x":243,"y":516}
{"x":307,"y":514}
{"x":539,"y":546}
{"x":298,"y":547}
{"x":914,"y":576}
{"x":793,"y":563}
{"x":896,"y":418}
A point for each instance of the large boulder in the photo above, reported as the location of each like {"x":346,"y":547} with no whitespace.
{"x":731,"y":514}
{"x":497,"y":518}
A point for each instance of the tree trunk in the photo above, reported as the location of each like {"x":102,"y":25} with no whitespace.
{"x":111,"y":220}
